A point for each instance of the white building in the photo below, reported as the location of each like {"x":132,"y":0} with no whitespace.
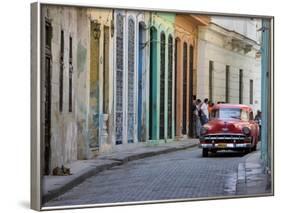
{"x":229,"y":64}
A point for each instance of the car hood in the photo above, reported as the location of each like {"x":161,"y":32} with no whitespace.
{"x":225,"y":126}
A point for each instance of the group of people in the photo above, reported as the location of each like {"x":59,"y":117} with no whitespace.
{"x":200,"y":112}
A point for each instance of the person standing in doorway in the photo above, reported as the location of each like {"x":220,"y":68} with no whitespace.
{"x":204,"y":111}
{"x":194,"y":112}
{"x":197,"y":114}
{"x":210,"y":106}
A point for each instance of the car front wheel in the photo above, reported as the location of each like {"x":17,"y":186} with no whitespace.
{"x":205,"y":152}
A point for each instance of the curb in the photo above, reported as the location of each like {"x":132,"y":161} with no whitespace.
{"x":76,"y":180}
{"x":241,"y":179}
{"x":252,"y":178}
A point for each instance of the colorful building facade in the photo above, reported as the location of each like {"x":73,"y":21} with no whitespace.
{"x":116,"y":78}
{"x":186,"y":32}
{"x":161,"y":69}
{"x":130,"y":71}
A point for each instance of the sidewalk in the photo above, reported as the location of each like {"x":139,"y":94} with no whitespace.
{"x":53,"y":186}
{"x":252,"y":178}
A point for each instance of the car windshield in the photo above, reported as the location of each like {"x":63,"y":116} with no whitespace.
{"x":230,"y":113}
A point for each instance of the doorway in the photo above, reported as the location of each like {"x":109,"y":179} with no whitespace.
{"x":94,"y":85}
{"x":153,"y":85}
{"x":140,"y":79}
{"x":162,"y":86}
{"x":184,"y":92}
{"x":47,"y":98}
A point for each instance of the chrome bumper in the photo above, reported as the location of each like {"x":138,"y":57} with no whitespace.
{"x":224,"y":145}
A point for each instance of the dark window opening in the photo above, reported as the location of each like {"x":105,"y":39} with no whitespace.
{"x":227,"y":84}
{"x":70,"y":74}
{"x":240,"y":86}
{"x":48,"y":35}
{"x":61,"y":71}
{"x":211,"y":76}
{"x":251,"y":91}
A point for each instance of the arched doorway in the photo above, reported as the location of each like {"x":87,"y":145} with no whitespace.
{"x":131,"y":81}
{"x":184,"y":92}
{"x":153,"y":85}
{"x":119,"y":109}
{"x":170,"y":86}
{"x":162,"y":86}
{"x":141,"y":49}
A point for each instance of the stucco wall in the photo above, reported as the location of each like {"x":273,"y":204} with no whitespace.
{"x":71,"y":131}
{"x":212,"y":47}
{"x":163,"y":23}
{"x":63,"y":124}
{"x":137,"y":18}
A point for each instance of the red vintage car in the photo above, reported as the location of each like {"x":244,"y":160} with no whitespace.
{"x":230,"y":127}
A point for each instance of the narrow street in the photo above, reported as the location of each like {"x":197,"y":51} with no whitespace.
{"x":176,"y":175}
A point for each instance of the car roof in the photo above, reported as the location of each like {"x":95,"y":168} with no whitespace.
{"x":239,"y":106}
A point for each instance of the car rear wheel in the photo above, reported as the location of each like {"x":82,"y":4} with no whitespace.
{"x":205,"y":152}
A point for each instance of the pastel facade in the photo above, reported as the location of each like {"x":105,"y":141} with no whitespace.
{"x":130,"y":73}
{"x":161,"y":93}
{"x":112,"y":79}
{"x":229,"y":62}
{"x":186,"y":47}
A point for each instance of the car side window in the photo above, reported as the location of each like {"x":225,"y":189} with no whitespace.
{"x":244,"y":115}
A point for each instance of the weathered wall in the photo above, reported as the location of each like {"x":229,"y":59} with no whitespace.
{"x":72,"y":132}
{"x":64,"y":130}
{"x":101,"y":90}
{"x":128,"y":84}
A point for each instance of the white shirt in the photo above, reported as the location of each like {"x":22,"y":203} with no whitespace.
{"x":204,"y":109}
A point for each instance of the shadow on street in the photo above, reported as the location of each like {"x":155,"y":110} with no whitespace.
{"x":227,"y":154}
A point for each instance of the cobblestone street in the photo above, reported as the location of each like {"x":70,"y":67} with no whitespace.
{"x":176,"y":175}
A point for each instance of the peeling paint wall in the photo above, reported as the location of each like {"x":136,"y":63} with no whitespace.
{"x":64,"y":128}
{"x":73,"y":133}
{"x":100,"y":120}
{"x":126,"y":118}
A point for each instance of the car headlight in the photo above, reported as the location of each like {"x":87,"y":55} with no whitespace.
{"x":203,"y":130}
{"x":246,"y":130}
